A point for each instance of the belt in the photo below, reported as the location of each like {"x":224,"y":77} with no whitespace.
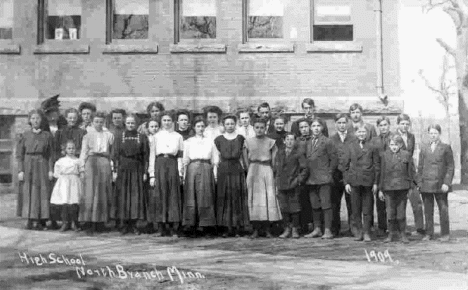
{"x":100,"y":155}
{"x":34,"y":153}
{"x":265,"y":162}
{"x":201,"y":161}
{"x":167,"y":156}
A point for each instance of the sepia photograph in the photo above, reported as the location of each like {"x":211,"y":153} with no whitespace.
{"x":234,"y":144}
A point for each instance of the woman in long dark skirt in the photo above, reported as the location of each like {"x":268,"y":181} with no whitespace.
{"x":35,"y":152}
{"x":199,"y":159}
{"x":130,"y":155}
{"x":96,"y":157}
{"x":231,"y":201}
{"x":165,"y":171}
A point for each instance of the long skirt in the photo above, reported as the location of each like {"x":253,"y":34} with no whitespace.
{"x":94,"y":206}
{"x":165,"y":200}
{"x":131,"y":191}
{"x":34,"y":201}
{"x":231,"y":199}
{"x":262,"y":201}
{"x":199,"y":195}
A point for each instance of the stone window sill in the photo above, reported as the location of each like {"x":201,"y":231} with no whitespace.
{"x":334,"y":46}
{"x":10,"y":48}
{"x":62,"y":48}
{"x":198,"y":48}
{"x":130,"y":49}
{"x":265,"y":47}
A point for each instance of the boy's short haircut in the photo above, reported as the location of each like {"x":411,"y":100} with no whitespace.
{"x":397,"y":139}
{"x":182,"y":112}
{"x":316,"y":120}
{"x":264,"y":105}
{"x":355,"y":107}
{"x":289,"y":134}
{"x":308,"y":101}
{"x":383,"y":118}
{"x":434,"y":126}
{"x":340,"y":116}
{"x":403,"y":117}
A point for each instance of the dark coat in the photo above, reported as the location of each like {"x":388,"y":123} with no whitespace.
{"x":381,"y":142}
{"x":397,"y":171}
{"x":290,"y":170}
{"x":362,"y":167}
{"x":411,"y":142}
{"x":321,"y":160}
{"x":371,"y":132}
{"x":435,"y":168}
{"x":295,"y":128}
{"x":342,"y":148}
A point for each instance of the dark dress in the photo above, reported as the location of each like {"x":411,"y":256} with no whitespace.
{"x":131,"y":152}
{"x":34,"y":155}
{"x":231,"y":201}
{"x":114,"y":195}
{"x":186,"y":134}
{"x":278,"y":136}
{"x":68,"y":133}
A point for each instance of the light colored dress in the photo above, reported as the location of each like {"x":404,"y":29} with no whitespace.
{"x":212,"y":133}
{"x":68,"y":189}
{"x":262,"y":201}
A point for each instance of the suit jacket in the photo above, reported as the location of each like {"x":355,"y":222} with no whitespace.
{"x":435,"y":168}
{"x":371,"y":132}
{"x":381,"y":143}
{"x":290,"y":170}
{"x":362,"y":167}
{"x":321,"y":160}
{"x":411,"y":142}
{"x":342,"y":148}
{"x":397,"y":171}
{"x":295,"y":128}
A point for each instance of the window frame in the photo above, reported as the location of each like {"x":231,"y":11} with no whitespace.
{"x":331,"y":45}
{"x":65,"y":46}
{"x":9,"y":151}
{"x":9,"y":46}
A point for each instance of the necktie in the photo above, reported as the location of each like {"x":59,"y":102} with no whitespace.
{"x":314,"y":142}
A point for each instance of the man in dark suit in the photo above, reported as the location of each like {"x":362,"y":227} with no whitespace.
{"x":321,"y":161}
{"x":308,"y":106}
{"x":404,"y":123}
{"x":264,"y":111}
{"x":355,"y":114}
{"x":342,"y":140}
{"x":361,"y":176}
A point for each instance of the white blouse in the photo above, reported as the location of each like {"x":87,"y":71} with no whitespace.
{"x":212,"y":133}
{"x":96,"y":142}
{"x":165,"y":142}
{"x":199,"y":148}
{"x":246,"y":132}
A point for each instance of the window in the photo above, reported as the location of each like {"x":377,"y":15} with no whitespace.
{"x":332,"y":20}
{"x":198,"y":19}
{"x":63,"y":19}
{"x":130,"y":19}
{"x":265,"y":19}
{"x":6,"y":19}
{"x":6,"y":149}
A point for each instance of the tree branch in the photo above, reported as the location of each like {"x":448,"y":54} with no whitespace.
{"x":447,"y":47}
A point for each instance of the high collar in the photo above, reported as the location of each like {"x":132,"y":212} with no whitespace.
{"x":36,"y":131}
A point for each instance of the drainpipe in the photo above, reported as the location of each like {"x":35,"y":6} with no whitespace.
{"x":380,"y":74}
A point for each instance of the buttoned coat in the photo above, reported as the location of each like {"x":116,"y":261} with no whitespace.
{"x":397,"y":171}
{"x":411,"y":142}
{"x":362,"y":167}
{"x":435,"y":168}
{"x":321,"y":160}
{"x":342,"y":147}
{"x":381,"y":142}
{"x":290,"y":170}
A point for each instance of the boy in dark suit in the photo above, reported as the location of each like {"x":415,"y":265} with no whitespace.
{"x":362,"y":173}
{"x":308,"y":106}
{"x":435,"y":175}
{"x":288,"y":177}
{"x":321,"y":161}
{"x":342,"y":140}
{"x":396,"y":178}
{"x":355,"y":113}
{"x":409,"y":143}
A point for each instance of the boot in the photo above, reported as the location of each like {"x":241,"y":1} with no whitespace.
{"x":295,"y":233}
{"x":268,"y":234}
{"x":286,"y":233}
{"x":65,"y":227}
{"x":327,"y":234}
{"x":402,"y":228}
{"x":391,"y":231}
{"x":367,"y":237}
{"x":315,"y":234}
{"x":358,"y":236}
{"x":74,"y":226}
{"x":254,"y":235}
{"x":29,"y":225}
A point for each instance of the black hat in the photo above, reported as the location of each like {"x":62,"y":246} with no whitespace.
{"x":51,"y":104}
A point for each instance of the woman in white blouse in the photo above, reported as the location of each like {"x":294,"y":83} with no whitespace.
{"x":165,"y":170}
{"x":212,"y":115}
{"x":200,"y":160}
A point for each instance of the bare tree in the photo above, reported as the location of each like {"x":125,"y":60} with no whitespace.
{"x":458,"y":12}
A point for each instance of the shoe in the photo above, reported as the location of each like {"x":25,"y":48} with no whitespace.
{"x":427,"y":238}
{"x":444,"y":238}
{"x":421,"y":231}
{"x":268,"y":235}
{"x":315,"y":234}
{"x":38,"y":226}
{"x":74,"y":226}
{"x":404,"y":238}
{"x":53,"y":225}
{"x":136,"y":231}
{"x":358,"y":237}
{"x":65,"y":227}
{"x":174,"y":233}
{"x":390,"y":237}
{"x":124,"y":230}
{"x":367,"y":237}
{"x":327,"y":235}
{"x":254,"y":235}
{"x":28,"y":225}
{"x":295,"y":233}
{"x":286,"y":233}
{"x":380,"y":232}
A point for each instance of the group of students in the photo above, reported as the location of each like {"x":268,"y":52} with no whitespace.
{"x":228,"y":174}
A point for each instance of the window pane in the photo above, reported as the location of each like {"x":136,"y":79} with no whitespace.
{"x":6,"y":19}
{"x":333,"y":32}
{"x":265,"y":19}
{"x":198,"y":19}
{"x":5,"y":127}
{"x":332,"y":11}
{"x":5,"y":162}
{"x":63,"y":19}
{"x":131,"y":19}
{"x":6,"y":178}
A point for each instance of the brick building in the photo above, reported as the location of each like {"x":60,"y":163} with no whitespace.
{"x":190,"y":53}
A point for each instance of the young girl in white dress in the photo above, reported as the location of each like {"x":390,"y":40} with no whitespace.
{"x":69,"y":187}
